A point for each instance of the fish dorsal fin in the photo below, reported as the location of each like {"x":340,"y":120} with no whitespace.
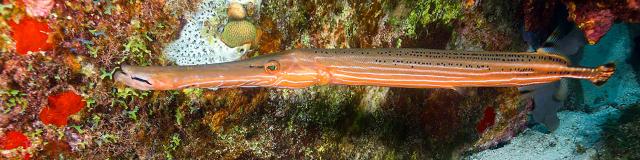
{"x":560,"y":32}
{"x":565,"y":41}
{"x":554,"y":53}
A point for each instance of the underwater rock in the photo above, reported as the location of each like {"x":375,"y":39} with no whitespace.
{"x":490,"y":26}
{"x":237,"y":33}
{"x":30,"y":35}
{"x":330,"y":122}
{"x":424,"y":110}
{"x":60,"y":107}
{"x":39,"y":8}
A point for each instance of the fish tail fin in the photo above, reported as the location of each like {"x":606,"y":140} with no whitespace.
{"x":603,"y":73}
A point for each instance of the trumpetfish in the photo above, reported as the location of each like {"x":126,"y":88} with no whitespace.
{"x":388,"y":67}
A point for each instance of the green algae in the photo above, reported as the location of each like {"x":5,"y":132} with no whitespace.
{"x":136,"y":45}
{"x":426,"y":12}
{"x":6,"y":14}
{"x":12,"y":98}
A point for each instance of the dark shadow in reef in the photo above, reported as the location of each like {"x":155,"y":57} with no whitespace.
{"x":634,"y":58}
{"x":621,"y":135}
{"x":433,"y":121}
{"x":433,"y":36}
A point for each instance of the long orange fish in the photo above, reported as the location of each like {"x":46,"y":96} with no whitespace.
{"x":392,"y":67}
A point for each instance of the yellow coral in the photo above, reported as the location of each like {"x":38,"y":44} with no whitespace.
{"x":237,"y":33}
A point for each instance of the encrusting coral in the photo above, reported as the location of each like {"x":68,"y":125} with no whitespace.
{"x":60,"y":107}
{"x":14,"y":139}
{"x":30,"y":35}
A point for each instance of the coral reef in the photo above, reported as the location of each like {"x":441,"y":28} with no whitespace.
{"x":91,"y":39}
{"x":490,"y":26}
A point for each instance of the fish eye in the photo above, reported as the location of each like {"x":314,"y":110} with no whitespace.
{"x":272,"y":66}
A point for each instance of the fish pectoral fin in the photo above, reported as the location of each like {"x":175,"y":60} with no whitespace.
{"x":566,"y":45}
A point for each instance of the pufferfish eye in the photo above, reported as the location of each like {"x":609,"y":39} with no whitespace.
{"x":272,"y":66}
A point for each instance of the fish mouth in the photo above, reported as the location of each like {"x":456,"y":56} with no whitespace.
{"x":128,"y":77}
